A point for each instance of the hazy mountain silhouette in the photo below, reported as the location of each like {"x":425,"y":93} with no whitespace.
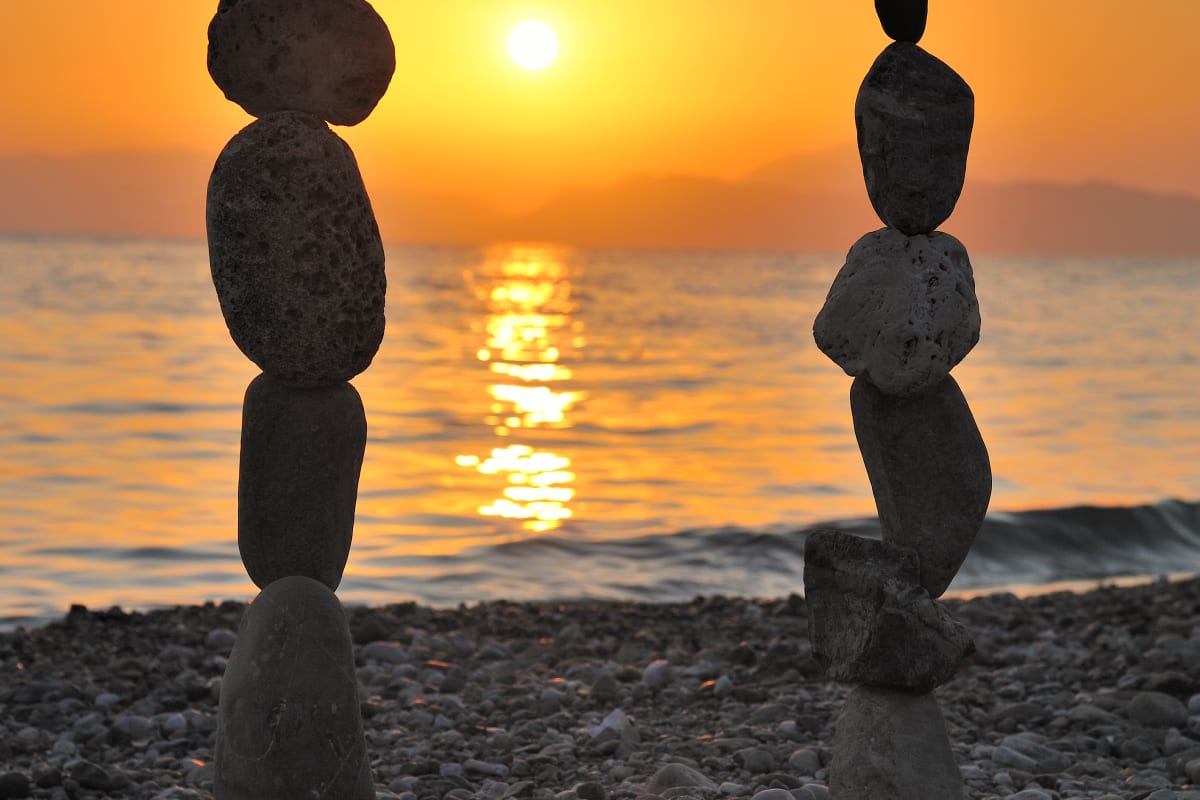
{"x":115,"y":193}
{"x":805,"y":202}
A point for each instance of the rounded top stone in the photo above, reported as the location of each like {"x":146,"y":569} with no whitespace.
{"x":903,"y":20}
{"x":331,"y":58}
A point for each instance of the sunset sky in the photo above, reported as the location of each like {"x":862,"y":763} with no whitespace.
{"x":1068,"y":90}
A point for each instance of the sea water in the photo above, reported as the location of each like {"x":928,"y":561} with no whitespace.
{"x":555,"y":423}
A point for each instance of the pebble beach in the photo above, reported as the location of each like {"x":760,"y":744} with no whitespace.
{"x":1092,"y":695}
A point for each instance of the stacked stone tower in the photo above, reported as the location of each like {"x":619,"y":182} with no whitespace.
{"x":900,"y":315}
{"x":298,"y":267}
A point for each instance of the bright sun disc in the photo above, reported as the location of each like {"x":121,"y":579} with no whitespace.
{"x":533,"y":45}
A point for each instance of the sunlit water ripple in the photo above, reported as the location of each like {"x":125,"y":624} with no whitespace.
{"x":556,"y":423}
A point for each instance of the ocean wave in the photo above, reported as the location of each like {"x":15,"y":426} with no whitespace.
{"x":1080,"y":543}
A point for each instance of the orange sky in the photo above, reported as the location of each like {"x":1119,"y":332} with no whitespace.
{"x":1065,"y":90}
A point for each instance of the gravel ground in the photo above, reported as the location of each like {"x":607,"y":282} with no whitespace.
{"x":1070,"y":695}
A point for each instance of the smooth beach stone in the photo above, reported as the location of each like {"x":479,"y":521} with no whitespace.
{"x":331,"y":58}
{"x":295,"y":251}
{"x":302,"y":452}
{"x":892,"y":745}
{"x":914,"y":117}
{"x":289,"y":723}
{"x":929,"y":471}
{"x":1157,"y":710}
{"x":677,"y":776}
{"x":903,"y":20}
{"x":902,"y":310}
{"x":869,"y":619}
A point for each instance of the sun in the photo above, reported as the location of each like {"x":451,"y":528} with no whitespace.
{"x":533,"y":45}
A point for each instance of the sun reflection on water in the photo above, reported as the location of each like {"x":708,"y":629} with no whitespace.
{"x":529,"y":332}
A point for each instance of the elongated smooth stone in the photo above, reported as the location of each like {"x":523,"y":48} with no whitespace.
{"x":302,"y":451}
{"x":295,"y":253}
{"x":914,"y":116}
{"x":289,"y":723}
{"x":929,"y":471}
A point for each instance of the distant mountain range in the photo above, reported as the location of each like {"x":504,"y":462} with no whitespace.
{"x":805,"y":202}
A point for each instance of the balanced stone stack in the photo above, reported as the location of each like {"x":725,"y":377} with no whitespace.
{"x":900,"y":315}
{"x":298,"y":267}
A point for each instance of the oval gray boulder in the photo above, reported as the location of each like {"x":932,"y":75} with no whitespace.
{"x":914,"y":117}
{"x":332,"y":58}
{"x":302,"y":452}
{"x":901,"y":312}
{"x":929,"y":471}
{"x":295,"y":252}
{"x":289,"y":723}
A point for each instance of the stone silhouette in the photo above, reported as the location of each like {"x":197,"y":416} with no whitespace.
{"x":900,"y":315}
{"x":298,"y":265}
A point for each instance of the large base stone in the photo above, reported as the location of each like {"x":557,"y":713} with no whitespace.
{"x":289,"y":724}
{"x":892,"y":745}
{"x":901,"y":312}
{"x":914,"y":116}
{"x":869,"y":620}
{"x":302,"y":452}
{"x":929,"y":471}
{"x":295,"y":252}
{"x":332,"y":58}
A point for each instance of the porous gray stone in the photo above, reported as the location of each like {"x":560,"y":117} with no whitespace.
{"x":929,"y":472}
{"x":903,"y":20}
{"x":914,"y":117}
{"x":289,"y":722}
{"x":869,"y":619}
{"x":295,"y":252}
{"x":901,"y":312}
{"x":302,"y":452}
{"x":332,"y":58}
{"x":894,"y":745}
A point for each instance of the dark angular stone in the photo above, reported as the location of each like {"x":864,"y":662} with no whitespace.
{"x":901,"y":312}
{"x":289,"y":723}
{"x":893,"y":745}
{"x":929,"y":472}
{"x":903,"y":20}
{"x":869,"y":619}
{"x":295,"y":251}
{"x":332,"y":58}
{"x":302,"y":451}
{"x":914,"y":117}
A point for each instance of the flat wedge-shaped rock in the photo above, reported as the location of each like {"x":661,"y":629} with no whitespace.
{"x":903,"y":20}
{"x":302,"y":452}
{"x":295,"y":252}
{"x":331,"y":58}
{"x":901,"y":312}
{"x":892,"y":745}
{"x":929,"y":471}
{"x":914,"y":117}
{"x":289,"y":722}
{"x":871,"y":622}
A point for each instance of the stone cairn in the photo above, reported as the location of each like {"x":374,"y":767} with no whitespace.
{"x":298,"y":267}
{"x":900,"y":315}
